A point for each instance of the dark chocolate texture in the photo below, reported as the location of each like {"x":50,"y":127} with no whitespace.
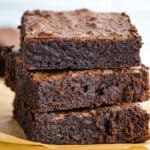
{"x":116,"y":124}
{"x":63,"y":90}
{"x":80,"y":39}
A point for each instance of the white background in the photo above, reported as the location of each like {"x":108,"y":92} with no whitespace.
{"x":139,"y":11}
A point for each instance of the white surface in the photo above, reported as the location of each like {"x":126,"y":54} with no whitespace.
{"x":139,"y":11}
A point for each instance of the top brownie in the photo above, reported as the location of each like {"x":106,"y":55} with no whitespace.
{"x":80,"y":39}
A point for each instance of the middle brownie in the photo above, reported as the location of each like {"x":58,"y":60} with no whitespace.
{"x":51,"y":91}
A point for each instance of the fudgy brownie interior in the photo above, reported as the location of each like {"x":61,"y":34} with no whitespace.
{"x":80,"y":39}
{"x":116,"y":124}
{"x":63,"y":90}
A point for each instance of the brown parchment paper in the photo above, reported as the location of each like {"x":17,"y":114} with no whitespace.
{"x":13,"y":138}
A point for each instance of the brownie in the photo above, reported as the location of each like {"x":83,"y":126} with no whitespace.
{"x":8,"y":37}
{"x":63,"y":90}
{"x":117,"y":124}
{"x":79,"y":39}
{"x":10,"y":54}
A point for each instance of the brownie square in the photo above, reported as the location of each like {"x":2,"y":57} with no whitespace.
{"x":80,"y":39}
{"x":10,"y":55}
{"x":115,"y":124}
{"x":65,"y":90}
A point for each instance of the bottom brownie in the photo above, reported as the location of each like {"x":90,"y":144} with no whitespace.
{"x":126,"y":123}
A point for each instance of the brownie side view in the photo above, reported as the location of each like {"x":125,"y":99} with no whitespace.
{"x":10,"y":76}
{"x":7,"y":59}
{"x":52,"y":91}
{"x":116,"y":124}
{"x":80,"y":39}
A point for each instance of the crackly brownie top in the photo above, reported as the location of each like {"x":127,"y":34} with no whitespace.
{"x":52,"y":76}
{"x":78,"y":24}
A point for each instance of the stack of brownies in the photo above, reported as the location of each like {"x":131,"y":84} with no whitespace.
{"x":77,"y":78}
